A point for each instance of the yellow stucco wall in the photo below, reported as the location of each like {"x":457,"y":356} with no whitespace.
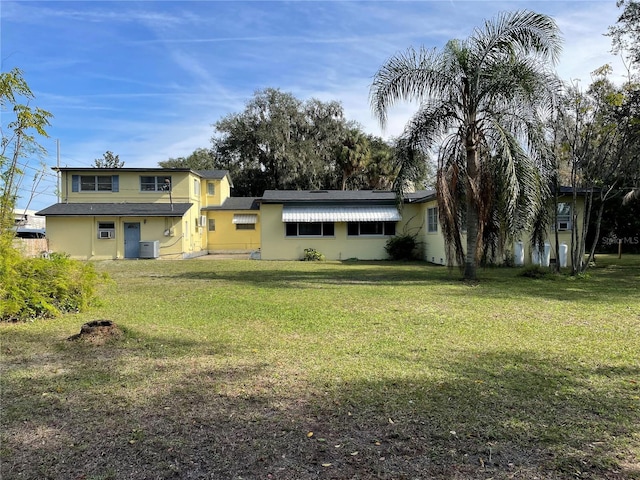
{"x":227,"y":238}
{"x":78,"y":237}
{"x":182,"y":189}
{"x":275,"y":245}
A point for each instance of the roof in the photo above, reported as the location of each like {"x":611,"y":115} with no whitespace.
{"x":237,"y":203}
{"x":116,"y":209}
{"x":339,"y":196}
{"x":212,"y":174}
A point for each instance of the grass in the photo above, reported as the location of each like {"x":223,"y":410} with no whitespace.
{"x":300,"y":370}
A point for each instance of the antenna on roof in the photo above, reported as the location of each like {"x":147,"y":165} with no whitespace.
{"x":167,"y":187}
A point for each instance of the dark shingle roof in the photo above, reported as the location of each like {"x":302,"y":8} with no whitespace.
{"x":212,"y":174}
{"x":116,"y":209}
{"x":238,"y":203}
{"x":339,"y":196}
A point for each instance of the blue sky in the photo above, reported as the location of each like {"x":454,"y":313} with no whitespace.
{"x":146,"y":80}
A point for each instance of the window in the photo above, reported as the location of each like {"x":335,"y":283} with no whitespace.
{"x":96,"y":183}
{"x":212,"y":224}
{"x":106,"y":230}
{"x":355,"y":229}
{"x":196,"y":187}
{"x":211,"y":188}
{"x":245,"y":226}
{"x":155,"y":184}
{"x":309,"y":229}
{"x":432,"y":219}
{"x":564,"y":216}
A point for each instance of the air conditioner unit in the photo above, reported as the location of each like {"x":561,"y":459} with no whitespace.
{"x":105,"y":234}
{"x":150,"y":249}
{"x":563,"y":226}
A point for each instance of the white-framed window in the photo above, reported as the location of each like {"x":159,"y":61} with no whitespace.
{"x":432,"y":219}
{"x":355,"y":229}
{"x":211,"y":188}
{"x":564,"y":216}
{"x":212,"y":225}
{"x":155,"y":183}
{"x":106,"y":230}
{"x":309,"y":229}
{"x":196,"y":187}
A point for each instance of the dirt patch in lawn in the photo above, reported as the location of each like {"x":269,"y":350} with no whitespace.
{"x":98,"y":332}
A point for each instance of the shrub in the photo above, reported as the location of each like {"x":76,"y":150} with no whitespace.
{"x":402,"y":247}
{"x":534,"y":271}
{"x":312,"y":255}
{"x":43,"y":287}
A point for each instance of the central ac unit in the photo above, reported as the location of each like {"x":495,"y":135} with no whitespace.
{"x":150,"y":249}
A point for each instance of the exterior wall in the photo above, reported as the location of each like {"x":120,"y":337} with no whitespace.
{"x":277,"y":246}
{"x":435,"y":252}
{"x":78,"y":237}
{"x":129,"y":189}
{"x":227,"y":238}
{"x":221,"y":193}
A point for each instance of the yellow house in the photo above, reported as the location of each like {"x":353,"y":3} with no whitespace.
{"x":339,"y":224}
{"x":140,"y":213}
{"x":358,"y":224}
{"x":181,"y":213}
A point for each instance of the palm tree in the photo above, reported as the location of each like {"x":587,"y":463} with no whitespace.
{"x":353,"y":154}
{"x":481,"y":100}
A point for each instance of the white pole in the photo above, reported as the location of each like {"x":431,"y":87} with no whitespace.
{"x":58,"y":172}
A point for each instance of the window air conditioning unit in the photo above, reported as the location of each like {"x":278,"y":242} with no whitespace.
{"x":106,"y":234}
{"x":563,"y":225}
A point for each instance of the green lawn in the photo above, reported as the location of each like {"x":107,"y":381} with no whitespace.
{"x":293,"y":370}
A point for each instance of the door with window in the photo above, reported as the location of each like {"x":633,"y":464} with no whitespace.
{"x":131,"y":240}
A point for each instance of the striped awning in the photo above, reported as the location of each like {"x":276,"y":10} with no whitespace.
{"x":245,"y":219}
{"x":381,"y":213}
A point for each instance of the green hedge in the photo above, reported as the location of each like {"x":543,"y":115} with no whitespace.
{"x":43,"y":287}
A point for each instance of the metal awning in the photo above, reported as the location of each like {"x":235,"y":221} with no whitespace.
{"x":317,"y":213}
{"x":245,"y":219}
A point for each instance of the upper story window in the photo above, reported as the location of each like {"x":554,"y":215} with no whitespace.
{"x":211,"y":188}
{"x":310,"y":229}
{"x":371,"y":228}
{"x":196,"y":187}
{"x":155,"y":184}
{"x":564,"y":216}
{"x":432,"y":219}
{"x":94,"y":183}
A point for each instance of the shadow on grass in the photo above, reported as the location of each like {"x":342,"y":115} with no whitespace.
{"x":510,"y":414}
{"x":382,"y":273}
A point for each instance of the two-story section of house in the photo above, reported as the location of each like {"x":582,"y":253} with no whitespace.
{"x":135,"y":212}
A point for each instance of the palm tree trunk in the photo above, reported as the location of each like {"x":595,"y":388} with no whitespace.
{"x":470,"y":263}
{"x":471,"y":194}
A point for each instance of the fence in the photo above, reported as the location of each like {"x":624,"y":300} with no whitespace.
{"x":31,"y":247}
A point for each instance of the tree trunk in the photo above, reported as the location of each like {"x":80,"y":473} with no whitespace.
{"x":470,"y":264}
